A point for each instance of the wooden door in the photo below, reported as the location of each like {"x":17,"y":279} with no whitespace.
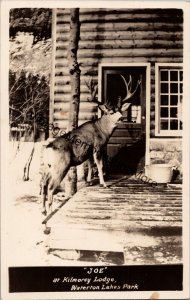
{"x":126,"y":148}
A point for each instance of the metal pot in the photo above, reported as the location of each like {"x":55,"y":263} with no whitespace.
{"x":161,"y":173}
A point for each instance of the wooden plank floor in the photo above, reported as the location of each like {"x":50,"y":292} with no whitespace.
{"x":129,"y":216}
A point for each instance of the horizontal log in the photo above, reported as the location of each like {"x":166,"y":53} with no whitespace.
{"x":60,"y":75}
{"x":109,"y":60}
{"x":59,"y":82}
{"x":121,"y":17}
{"x":104,"y":11}
{"x":126,"y":26}
{"x":99,"y":53}
{"x":117,"y":14}
{"x":63,"y":62}
{"x":67,"y":97}
{"x":66,"y":88}
{"x":64,"y":123}
{"x":64,"y":115}
{"x":64,"y":98}
{"x":124,"y":44}
{"x":131,"y":26}
{"x":61,"y":68}
{"x":122,"y":35}
{"x":129,"y":35}
{"x":66,"y":77}
{"x":84,"y":107}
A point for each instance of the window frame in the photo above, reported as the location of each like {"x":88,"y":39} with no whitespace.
{"x":158,"y":131}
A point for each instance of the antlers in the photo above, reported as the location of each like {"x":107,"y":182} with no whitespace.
{"x":93,"y":89}
{"x":128,"y":85}
{"x":122,"y":104}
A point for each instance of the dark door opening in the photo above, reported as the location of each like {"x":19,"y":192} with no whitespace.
{"x":126,"y":148}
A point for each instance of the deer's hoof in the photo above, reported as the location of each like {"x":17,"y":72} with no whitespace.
{"x":103,"y":185}
{"x":89,"y":183}
{"x":47,"y":230}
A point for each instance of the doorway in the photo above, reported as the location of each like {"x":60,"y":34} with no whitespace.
{"x":125,"y":151}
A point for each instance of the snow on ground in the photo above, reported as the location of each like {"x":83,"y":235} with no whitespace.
{"x":26,"y":239}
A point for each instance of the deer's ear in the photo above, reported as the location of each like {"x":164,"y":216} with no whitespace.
{"x":125,"y":106}
{"x":103,"y":108}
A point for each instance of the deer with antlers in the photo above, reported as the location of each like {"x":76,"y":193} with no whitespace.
{"x":81,"y":144}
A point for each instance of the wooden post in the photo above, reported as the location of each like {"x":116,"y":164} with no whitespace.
{"x":74,"y":70}
{"x":52,"y":79}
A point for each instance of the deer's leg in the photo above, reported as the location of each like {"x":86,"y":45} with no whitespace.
{"x":44,"y":198}
{"x":58,"y":172}
{"x":51,"y":191}
{"x":99,"y":162}
{"x":89,"y":176}
{"x":43,"y":190}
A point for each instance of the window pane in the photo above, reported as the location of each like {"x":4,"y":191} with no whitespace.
{"x":164,"y":124}
{"x":164,"y":76}
{"x":173,"y":75}
{"x":164,"y":100}
{"x":164,"y":112}
{"x":164,"y":88}
{"x":181,"y":87}
{"x":173,"y":124}
{"x":173,"y":88}
{"x":173,"y":112}
{"x":173,"y":100}
{"x":181,"y":76}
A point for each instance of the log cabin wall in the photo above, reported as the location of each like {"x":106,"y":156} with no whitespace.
{"x":111,"y":36}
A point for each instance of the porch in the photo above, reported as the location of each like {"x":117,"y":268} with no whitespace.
{"x":130,"y":222}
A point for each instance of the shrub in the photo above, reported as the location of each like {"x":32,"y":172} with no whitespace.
{"x":28,"y":105}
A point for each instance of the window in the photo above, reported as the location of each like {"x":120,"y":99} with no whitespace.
{"x":169,"y":94}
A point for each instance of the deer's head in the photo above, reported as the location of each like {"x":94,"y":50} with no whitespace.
{"x":114,"y":112}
